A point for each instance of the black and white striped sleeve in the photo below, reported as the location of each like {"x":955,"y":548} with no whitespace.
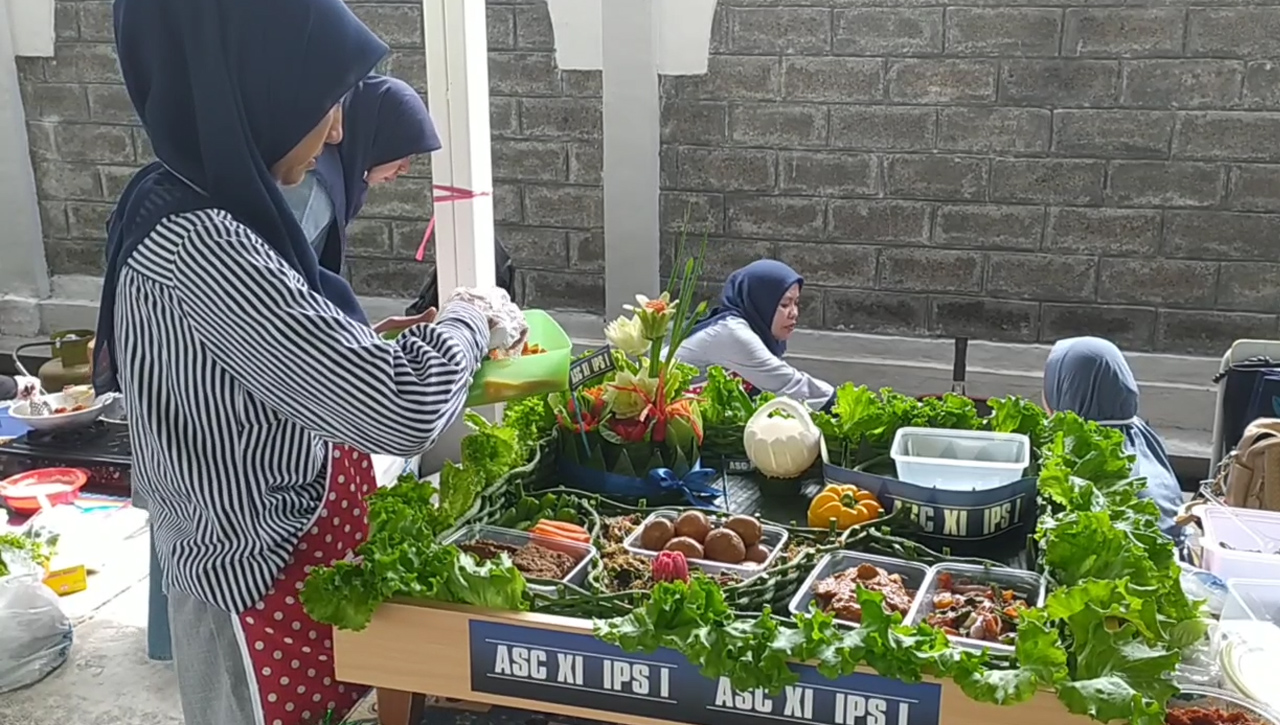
{"x":306,"y":359}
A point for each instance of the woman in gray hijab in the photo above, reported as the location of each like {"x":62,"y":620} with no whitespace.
{"x":1090,"y":377}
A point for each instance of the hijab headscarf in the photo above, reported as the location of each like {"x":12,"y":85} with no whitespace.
{"x":384,"y":120}
{"x":754,"y":293}
{"x":1090,"y":377}
{"x":225,"y":89}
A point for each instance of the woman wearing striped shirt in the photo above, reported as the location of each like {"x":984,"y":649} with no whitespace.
{"x":242,"y":360}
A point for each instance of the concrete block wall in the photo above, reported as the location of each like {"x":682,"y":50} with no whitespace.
{"x":1011,"y":170}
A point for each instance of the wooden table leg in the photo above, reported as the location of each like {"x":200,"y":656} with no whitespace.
{"x":396,"y":707}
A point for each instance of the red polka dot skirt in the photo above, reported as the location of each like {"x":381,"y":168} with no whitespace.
{"x":291,"y":655}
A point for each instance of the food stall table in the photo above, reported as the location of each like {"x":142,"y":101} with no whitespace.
{"x":551,"y":664}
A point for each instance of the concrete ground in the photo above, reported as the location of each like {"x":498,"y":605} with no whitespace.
{"x":108,"y":679}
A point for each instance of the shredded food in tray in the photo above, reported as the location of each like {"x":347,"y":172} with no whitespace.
{"x":976,"y":611}
{"x":532,"y":560}
{"x":838,"y":593}
{"x":1208,"y":716}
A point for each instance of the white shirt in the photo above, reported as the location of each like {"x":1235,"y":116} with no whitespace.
{"x":239,"y":378}
{"x":734,"y":346}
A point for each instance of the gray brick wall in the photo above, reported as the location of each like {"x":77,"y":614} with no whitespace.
{"x":1014,"y":170}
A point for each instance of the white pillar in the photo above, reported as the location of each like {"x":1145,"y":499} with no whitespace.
{"x":23,"y":272}
{"x":632,"y":123}
{"x":458,"y":96}
{"x":457,"y":47}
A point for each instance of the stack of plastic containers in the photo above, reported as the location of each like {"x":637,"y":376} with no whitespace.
{"x":1250,"y":629}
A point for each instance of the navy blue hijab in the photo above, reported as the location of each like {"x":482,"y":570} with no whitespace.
{"x":1090,"y":377}
{"x":754,"y":293}
{"x":383,"y":120}
{"x":225,"y":89}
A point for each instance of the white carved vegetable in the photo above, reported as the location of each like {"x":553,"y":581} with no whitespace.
{"x":782,"y":447}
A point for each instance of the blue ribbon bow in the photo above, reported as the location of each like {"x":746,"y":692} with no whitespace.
{"x":695,"y":485}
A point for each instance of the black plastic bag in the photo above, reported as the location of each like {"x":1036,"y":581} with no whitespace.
{"x":504,"y":275}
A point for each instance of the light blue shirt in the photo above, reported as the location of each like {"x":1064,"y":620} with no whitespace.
{"x":312,"y":207}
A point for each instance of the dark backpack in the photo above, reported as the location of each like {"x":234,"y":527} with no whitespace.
{"x":504,"y":276}
{"x":1251,"y":391}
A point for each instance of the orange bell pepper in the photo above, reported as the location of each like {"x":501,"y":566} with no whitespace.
{"x":846,"y":505}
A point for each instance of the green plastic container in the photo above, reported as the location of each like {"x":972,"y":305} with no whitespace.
{"x":498,"y":381}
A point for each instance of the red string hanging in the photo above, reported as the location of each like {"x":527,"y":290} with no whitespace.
{"x":447,"y":195}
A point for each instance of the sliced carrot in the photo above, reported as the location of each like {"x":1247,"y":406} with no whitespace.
{"x":551,"y":536}
{"x":574,"y":529}
{"x":581,"y":538}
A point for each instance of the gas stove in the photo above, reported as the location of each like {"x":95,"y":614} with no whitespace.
{"x":103,"y":449}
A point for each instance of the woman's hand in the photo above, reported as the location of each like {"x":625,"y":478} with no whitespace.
{"x":400,"y":324}
{"x":508,"y":330}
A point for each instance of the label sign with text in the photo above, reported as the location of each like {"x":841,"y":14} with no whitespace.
{"x":591,"y":367}
{"x":580,"y":670}
{"x":991,"y":523}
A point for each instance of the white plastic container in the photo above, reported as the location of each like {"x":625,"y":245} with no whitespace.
{"x":913,"y":578}
{"x":512,"y":537}
{"x":959,"y":460}
{"x":774,"y":539}
{"x":1028,"y":585}
{"x":1237,"y":559}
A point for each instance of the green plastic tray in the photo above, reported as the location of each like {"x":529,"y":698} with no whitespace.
{"x":498,"y":381}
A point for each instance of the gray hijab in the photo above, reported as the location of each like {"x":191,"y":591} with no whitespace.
{"x":1090,"y":377}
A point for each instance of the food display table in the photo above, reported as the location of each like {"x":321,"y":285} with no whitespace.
{"x":589,"y":557}
{"x":545,"y":663}
{"x":552,"y":664}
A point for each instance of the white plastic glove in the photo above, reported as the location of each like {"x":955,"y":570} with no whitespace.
{"x":28,"y":387}
{"x":508,"y":330}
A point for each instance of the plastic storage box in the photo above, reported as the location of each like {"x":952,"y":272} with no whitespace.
{"x":913,"y":577}
{"x":774,"y":539}
{"x":959,"y":460}
{"x":577,"y":576}
{"x":1237,"y":559}
{"x":1027,"y":585}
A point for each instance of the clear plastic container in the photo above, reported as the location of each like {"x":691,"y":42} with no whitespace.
{"x":1255,"y":599}
{"x":1028,"y":585}
{"x":512,"y":537}
{"x":1239,"y":558}
{"x":1212,"y":698}
{"x":773,"y":539}
{"x":913,"y":577}
{"x":959,"y":460}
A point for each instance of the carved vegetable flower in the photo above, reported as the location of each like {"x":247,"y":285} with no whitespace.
{"x":670,"y":566}
{"x":631,"y":393}
{"x":654,"y":315}
{"x":627,"y":334}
